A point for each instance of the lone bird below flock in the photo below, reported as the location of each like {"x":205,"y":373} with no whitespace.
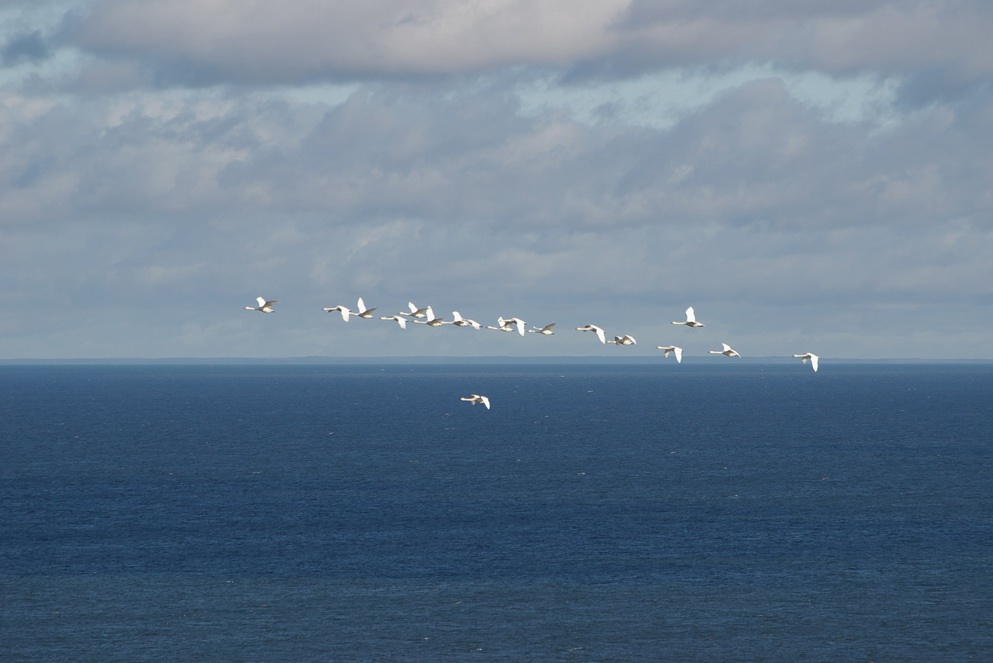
{"x":627,"y":339}
{"x":728,"y":351}
{"x":476,"y":399}
{"x":811,"y":356}
{"x":690,"y":319}
{"x":265,"y":305}
{"x":672,"y":349}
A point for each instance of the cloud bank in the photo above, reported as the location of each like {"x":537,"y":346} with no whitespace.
{"x":809,"y":177}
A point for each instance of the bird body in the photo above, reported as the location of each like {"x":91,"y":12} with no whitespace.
{"x":265,"y":305}
{"x":476,"y":399}
{"x":345,"y":312}
{"x":690,"y":319}
{"x":597,"y":330}
{"x":459,"y":321}
{"x":414,"y":311}
{"x":515,"y":323}
{"x":811,"y":356}
{"x":727,"y":351}
{"x":362,"y":311}
{"x":429,"y":319}
{"x":546,"y":330}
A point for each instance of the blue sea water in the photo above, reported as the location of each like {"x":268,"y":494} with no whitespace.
{"x":712,"y":512}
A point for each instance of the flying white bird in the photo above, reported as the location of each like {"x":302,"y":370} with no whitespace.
{"x":517,"y":323}
{"x":265,"y":305}
{"x":362,"y":311}
{"x":414,"y":311}
{"x":811,"y":356}
{"x":593,"y":328}
{"x":627,"y":339}
{"x":343,"y":309}
{"x":476,"y":399}
{"x":430,"y":320}
{"x":459,"y":321}
{"x":672,"y":349}
{"x":546,"y":330}
{"x":400,"y":320}
{"x":728,"y":351}
{"x":513,"y":324}
{"x":690,"y":319}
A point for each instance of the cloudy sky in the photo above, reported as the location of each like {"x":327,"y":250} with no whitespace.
{"x":813,"y":175}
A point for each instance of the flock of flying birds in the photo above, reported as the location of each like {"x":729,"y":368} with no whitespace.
{"x":426,"y":316}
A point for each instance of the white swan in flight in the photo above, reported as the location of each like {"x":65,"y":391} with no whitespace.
{"x":414,"y":311}
{"x":728,"y":351}
{"x":546,"y":330}
{"x":690,"y":319}
{"x":362,"y":311}
{"x":430,"y":320}
{"x":593,"y":328}
{"x":672,"y":349}
{"x":459,"y":321}
{"x":627,"y":339}
{"x":811,"y":356}
{"x":512,"y":324}
{"x":345,"y":312}
{"x":503,"y":326}
{"x":265,"y":305}
{"x":476,"y":399}
{"x":516,"y":323}
{"x":400,"y":320}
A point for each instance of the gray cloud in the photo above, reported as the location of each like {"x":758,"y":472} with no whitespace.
{"x":257,"y":42}
{"x":29,"y":46}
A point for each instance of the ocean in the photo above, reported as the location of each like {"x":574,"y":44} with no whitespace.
{"x":710,"y":511}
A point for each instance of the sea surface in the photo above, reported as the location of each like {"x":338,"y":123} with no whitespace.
{"x":710,"y":511}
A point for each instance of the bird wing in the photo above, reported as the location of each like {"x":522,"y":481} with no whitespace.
{"x":679,"y":354}
{"x":690,"y":315}
{"x":813,"y":362}
{"x":600,"y":335}
{"x":261,"y":301}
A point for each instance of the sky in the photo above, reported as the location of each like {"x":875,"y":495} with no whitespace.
{"x":810,"y":176}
